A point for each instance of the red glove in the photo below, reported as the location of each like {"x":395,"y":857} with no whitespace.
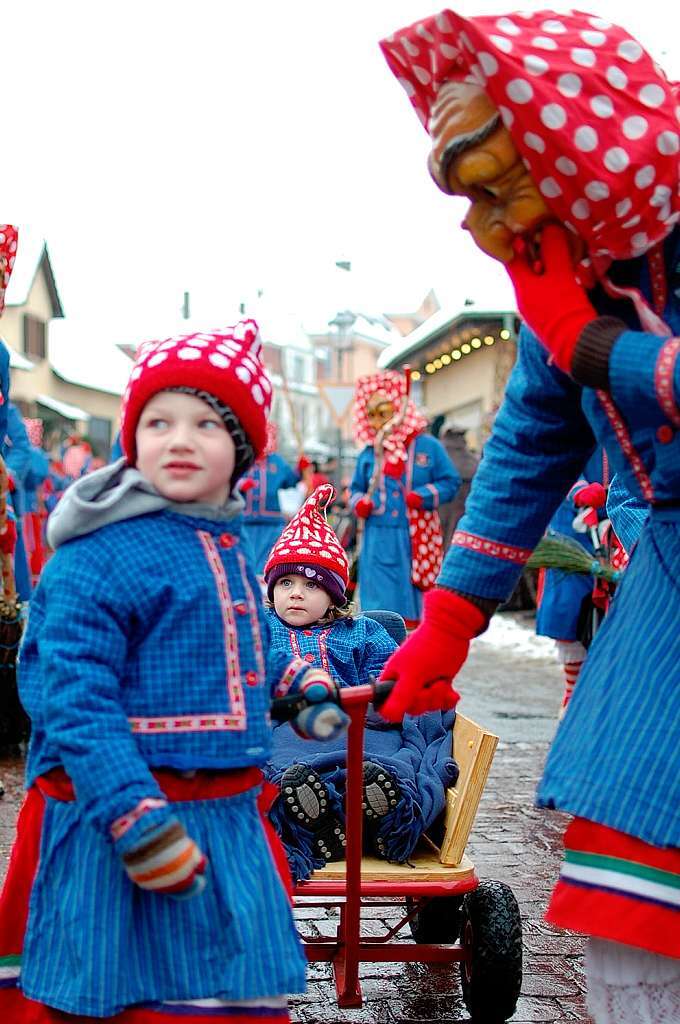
{"x":11,"y":485}
{"x":414,"y":500}
{"x":427,"y":662}
{"x":552,"y":302}
{"x":303,"y":463}
{"x":246,"y":484}
{"x":8,"y":538}
{"x":590,"y":496}
{"x":364,"y":507}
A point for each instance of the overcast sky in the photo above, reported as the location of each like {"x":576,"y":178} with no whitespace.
{"x":224,"y":147}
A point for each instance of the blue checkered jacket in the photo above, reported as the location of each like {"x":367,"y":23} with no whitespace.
{"x":148,"y":646}
{"x":548,"y":426}
{"x":350,"y":650}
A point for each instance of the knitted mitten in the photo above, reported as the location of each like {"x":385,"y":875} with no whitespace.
{"x":167,"y":861}
{"x":323,"y":719}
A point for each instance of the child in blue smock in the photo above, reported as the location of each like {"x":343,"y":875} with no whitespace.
{"x":147,"y":672}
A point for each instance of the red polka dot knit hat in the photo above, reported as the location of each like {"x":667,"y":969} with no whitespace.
{"x":8,"y":251}
{"x":225,"y":364}
{"x":594,"y":118}
{"x":308,"y":547}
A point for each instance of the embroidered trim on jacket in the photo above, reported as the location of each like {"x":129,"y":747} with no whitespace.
{"x":663,"y":379}
{"x":493,"y":548}
{"x":623,"y":437}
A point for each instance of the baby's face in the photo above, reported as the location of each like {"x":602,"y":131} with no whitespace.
{"x":299,"y":601}
{"x":184,"y":449}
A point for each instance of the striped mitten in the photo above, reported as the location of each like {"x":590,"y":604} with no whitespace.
{"x":167,"y":861}
{"x":324,"y":719}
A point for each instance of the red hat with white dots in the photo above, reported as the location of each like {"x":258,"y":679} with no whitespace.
{"x":224,"y":364}
{"x":308,"y":547}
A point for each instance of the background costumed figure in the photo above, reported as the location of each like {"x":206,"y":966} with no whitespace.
{"x":401,"y":548}
{"x":562,"y":133}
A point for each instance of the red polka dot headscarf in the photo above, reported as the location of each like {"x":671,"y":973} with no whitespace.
{"x":394,"y":386}
{"x":8,"y":252}
{"x":308,"y":547}
{"x":226,"y":364}
{"x":594,"y":118}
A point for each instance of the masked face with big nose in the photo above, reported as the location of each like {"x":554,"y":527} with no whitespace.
{"x":473,"y":155}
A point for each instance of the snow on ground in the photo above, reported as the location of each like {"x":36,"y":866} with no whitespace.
{"x":517,"y":637}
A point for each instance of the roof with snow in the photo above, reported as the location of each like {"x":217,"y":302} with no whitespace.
{"x":32,"y":257}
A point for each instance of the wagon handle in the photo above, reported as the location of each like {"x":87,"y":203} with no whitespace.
{"x":376,"y":691}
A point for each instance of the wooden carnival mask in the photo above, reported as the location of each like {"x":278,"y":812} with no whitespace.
{"x":380,"y":410}
{"x":473,"y":155}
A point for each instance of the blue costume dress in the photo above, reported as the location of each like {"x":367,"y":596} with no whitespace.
{"x":385,"y":562}
{"x":621,"y":734}
{"x":263,"y":518}
{"x":417,"y":754}
{"x":148,"y":648}
{"x":564,"y":592}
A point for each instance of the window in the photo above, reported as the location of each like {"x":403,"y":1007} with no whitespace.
{"x":99,"y":433}
{"x":34,"y":337}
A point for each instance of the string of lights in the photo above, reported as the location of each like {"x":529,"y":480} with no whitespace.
{"x":461,"y":345}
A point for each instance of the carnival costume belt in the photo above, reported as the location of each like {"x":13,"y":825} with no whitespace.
{"x":177,"y":787}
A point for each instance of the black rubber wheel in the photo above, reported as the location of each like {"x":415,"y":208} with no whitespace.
{"x":491,"y":934}
{"x":437,"y":920}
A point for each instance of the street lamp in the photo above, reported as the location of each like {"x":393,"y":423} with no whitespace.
{"x":343,"y":321}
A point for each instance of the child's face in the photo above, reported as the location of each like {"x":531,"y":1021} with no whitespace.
{"x":299,"y":601}
{"x":184,"y":449}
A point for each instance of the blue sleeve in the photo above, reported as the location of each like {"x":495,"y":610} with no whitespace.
{"x":72,"y":664}
{"x":362,"y":475}
{"x":18,"y":451}
{"x":627,"y":513}
{"x":541,"y":441}
{"x":288,"y":477}
{"x":445,"y":480}
{"x":644,"y":378}
{"x":117,"y":449}
{"x":377,"y":647}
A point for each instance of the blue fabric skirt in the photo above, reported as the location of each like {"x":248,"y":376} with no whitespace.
{"x":563,"y":595}
{"x":96,"y":943}
{"x":262,"y":537}
{"x":616,"y":757}
{"x":385,"y":571}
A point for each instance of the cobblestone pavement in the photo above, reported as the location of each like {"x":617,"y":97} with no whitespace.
{"x":511,"y":686}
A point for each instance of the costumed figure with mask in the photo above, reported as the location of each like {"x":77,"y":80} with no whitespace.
{"x":562,"y":133}
{"x":397,"y":491}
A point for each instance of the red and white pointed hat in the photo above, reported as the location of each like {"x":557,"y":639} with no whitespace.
{"x":309,"y":547}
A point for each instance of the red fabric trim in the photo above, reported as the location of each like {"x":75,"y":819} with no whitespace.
{"x":657,"y":274}
{"x":589,"y":837}
{"x":615,"y":916}
{"x":493,"y":548}
{"x":21,"y":871}
{"x":623,"y":437}
{"x":17,"y":1009}
{"x":202,"y":786}
{"x":663,"y":379}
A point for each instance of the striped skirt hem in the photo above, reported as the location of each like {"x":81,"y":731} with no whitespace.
{"x":20,"y":1010}
{"x":613,"y":886}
